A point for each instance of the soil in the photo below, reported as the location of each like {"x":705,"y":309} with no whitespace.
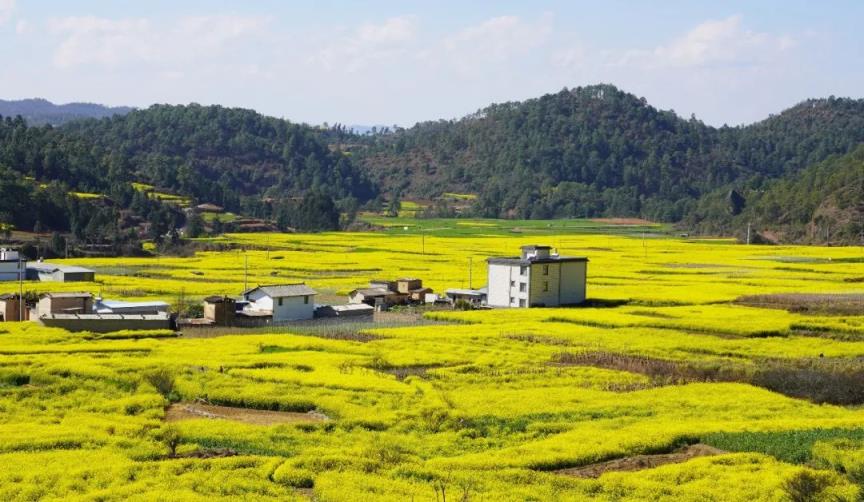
{"x":640,"y":462}
{"x":191,"y":411}
{"x":810,"y":303}
{"x":622,"y":221}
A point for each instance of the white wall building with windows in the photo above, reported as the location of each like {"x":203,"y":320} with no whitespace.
{"x":289,"y":302}
{"x":537,"y":278}
{"x":12,"y":267}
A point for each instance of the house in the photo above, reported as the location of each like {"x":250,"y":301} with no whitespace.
{"x":386,"y":293}
{"x":11,"y":308}
{"x":220,"y":310}
{"x":537,"y":278}
{"x":11,"y":265}
{"x":371,"y":296}
{"x":65,"y":303}
{"x":286,"y":302}
{"x":50,"y":272}
{"x":355,"y":311}
{"x":475,"y":297}
{"x":141,"y":308}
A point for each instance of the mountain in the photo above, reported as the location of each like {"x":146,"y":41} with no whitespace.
{"x":39,"y":111}
{"x":598,"y":151}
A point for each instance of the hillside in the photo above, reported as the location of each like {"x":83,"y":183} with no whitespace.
{"x":238,"y":159}
{"x":598,"y":151}
{"x":38,"y":111}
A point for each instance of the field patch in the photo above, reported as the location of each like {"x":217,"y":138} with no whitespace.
{"x":193,"y":411}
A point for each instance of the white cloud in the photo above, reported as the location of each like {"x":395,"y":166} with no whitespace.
{"x":714,"y":43}
{"x":6,"y":8}
{"x":115,"y":42}
{"x":497,"y":40}
{"x":368,"y":44}
{"x":22,"y":27}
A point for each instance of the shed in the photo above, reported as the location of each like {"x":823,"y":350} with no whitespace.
{"x":119,"y":307}
{"x":220,"y":310}
{"x":473,"y":296}
{"x":50,"y":272}
{"x":65,"y":303}
{"x":11,"y":308}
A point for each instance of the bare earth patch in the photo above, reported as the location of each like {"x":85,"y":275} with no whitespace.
{"x":191,"y":411}
{"x":622,"y":221}
{"x":640,"y":462}
{"x":812,"y":303}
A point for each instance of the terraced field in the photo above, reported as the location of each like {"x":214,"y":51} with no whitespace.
{"x":753,"y":354}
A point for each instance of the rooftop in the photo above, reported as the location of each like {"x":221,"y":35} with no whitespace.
{"x":53,"y":267}
{"x":284,"y":290}
{"x":372,"y":292}
{"x":68,"y":295}
{"x":515,"y":260}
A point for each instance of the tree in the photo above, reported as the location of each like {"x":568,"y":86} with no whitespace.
{"x":194,"y":225}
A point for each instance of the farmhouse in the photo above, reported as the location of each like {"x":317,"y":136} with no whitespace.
{"x":386,"y":293}
{"x":537,"y":278}
{"x":65,"y":303}
{"x":475,"y":297}
{"x":11,"y":265}
{"x":220,"y":310}
{"x":49,"y":272}
{"x":287,"y":302}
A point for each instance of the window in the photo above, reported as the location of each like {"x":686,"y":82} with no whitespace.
{"x":512,"y":300}
{"x":512,"y":284}
{"x":545,"y":286}
{"x":523,"y":270}
{"x":280,"y":301}
{"x":523,"y":287}
{"x":306,"y":300}
{"x":521,"y":302}
{"x":545,"y":269}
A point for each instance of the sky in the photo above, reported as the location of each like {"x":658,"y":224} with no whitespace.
{"x":400,"y":62}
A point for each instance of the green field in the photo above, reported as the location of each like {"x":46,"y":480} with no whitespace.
{"x":677,"y":346}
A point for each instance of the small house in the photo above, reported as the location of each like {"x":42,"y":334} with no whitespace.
{"x":118,"y":307}
{"x":220,"y":310}
{"x":11,"y":265}
{"x":475,"y":297}
{"x":12,"y":309}
{"x":65,"y":303}
{"x":286,"y":302}
{"x":50,"y":272}
{"x":537,"y":278}
{"x":370,"y":296}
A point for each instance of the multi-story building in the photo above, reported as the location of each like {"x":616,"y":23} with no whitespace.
{"x":537,"y":278}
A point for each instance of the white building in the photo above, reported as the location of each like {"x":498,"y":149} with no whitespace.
{"x":538,"y":278}
{"x":11,"y":266}
{"x":289,"y":302}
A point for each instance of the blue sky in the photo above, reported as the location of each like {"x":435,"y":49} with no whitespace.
{"x":389,"y":62}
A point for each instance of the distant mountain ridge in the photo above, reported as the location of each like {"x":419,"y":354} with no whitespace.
{"x":39,"y":111}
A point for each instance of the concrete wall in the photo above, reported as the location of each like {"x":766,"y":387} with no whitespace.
{"x":573,"y":277}
{"x":9,"y":271}
{"x":293,"y":308}
{"x":107,"y":323}
{"x":505,"y":283}
{"x":545,"y":284}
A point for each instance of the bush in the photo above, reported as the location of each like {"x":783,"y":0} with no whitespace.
{"x":163,"y":381}
{"x":806,"y":486}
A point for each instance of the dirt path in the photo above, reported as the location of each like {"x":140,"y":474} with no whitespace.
{"x":190,"y":411}
{"x":640,"y":462}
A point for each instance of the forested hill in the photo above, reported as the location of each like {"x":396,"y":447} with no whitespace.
{"x":238,"y":159}
{"x":595,"y":151}
{"x":38,"y":111}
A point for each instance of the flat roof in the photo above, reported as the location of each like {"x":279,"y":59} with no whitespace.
{"x":529,"y":261}
{"x":466,"y":292}
{"x":53,"y":267}
{"x":68,"y":295}
{"x":121,"y":304}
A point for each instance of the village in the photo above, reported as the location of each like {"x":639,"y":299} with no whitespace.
{"x":538,"y":277}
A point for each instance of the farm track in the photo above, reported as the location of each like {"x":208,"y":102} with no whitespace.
{"x":641,"y":462}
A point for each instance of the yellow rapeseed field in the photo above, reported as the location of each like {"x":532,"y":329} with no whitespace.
{"x":477,"y":405}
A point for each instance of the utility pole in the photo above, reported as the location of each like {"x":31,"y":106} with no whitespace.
{"x":246,"y":273}
{"x":748,"y":233}
{"x":21,"y":271}
{"x":422,"y":242}
{"x":470,"y":272}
